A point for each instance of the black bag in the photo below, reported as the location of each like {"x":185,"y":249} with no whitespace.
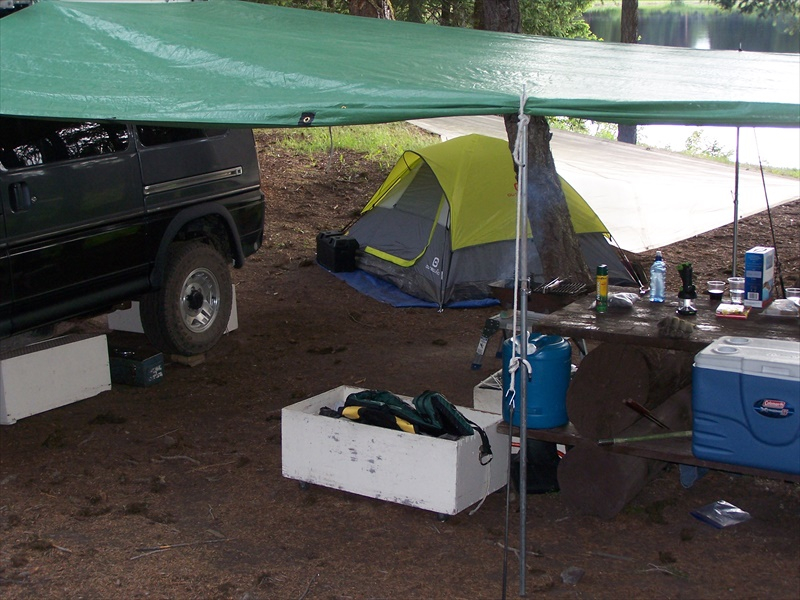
{"x":542,"y":463}
{"x":430,"y":413}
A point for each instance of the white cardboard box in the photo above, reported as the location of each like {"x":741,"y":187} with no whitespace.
{"x":128,"y":319}
{"x":443,"y":476}
{"x":487,"y":396}
{"x":759,"y":276}
{"x":49,"y":374}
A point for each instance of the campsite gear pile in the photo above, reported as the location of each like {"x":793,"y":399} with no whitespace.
{"x":442,"y":226}
{"x":430,"y":413}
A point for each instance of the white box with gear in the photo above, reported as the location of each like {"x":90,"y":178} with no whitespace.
{"x":440,"y":475}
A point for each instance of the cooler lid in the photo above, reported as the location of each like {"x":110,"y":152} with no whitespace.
{"x":777,"y":359}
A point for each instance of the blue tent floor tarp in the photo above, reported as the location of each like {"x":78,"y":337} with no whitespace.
{"x":383,"y":291}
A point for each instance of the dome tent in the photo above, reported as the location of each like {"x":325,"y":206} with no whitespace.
{"x":442,"y":226}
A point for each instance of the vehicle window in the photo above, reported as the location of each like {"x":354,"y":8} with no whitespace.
{"x":155,"y":135}
{"x":33,"y":142}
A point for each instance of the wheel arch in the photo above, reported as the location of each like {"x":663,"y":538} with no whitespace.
{"x":207,"y":221}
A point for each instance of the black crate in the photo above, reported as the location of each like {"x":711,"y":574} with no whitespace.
{"x":139,"y":367}
{"x":336,"y":251}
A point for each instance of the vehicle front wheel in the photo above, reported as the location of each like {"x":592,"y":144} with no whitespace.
{"x":189,"y":313}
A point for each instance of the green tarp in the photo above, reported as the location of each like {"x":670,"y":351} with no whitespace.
{"x":242,"y":64}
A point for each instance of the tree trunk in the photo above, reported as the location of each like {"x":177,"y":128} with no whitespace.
{"x":548,"y":214}
{"x":497,"y":15}
{"x":629,"y":26}
{"x":377,"y":9}
{"x":629,"y":34}
{"x":551,"y":225}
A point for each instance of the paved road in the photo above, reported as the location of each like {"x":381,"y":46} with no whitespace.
{"x":646,"y":198}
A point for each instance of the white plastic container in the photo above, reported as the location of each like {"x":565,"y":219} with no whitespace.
{"x":439,"y":475}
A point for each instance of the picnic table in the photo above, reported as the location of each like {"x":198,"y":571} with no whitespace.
{"x":637,"y":326}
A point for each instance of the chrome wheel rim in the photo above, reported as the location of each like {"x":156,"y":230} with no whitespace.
{"x":200,"y":300}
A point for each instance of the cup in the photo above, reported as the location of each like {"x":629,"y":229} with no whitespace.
{"x":715,"y":289}
{"x":736,"y":286}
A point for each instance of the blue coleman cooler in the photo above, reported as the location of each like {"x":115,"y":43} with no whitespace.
{"x":746,"y":403}
{"x":550,"y":358}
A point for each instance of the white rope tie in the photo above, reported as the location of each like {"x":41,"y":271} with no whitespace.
{"x":513,"y":366}
{"x":520,"y":159}
{"x":522,"y":128}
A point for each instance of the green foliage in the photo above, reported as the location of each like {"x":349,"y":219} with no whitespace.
{"x":569,"y":124}
{"x":555,"y":18}
{"x":383,"y":143}
{"x":335,"y":6}
{"x":785,"y":12}
{"x":454,"y":13}
{"x":697,"y":145}
{"x":606,"y":131}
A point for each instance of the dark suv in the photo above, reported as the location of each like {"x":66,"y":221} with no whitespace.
{"x":94,"y":214}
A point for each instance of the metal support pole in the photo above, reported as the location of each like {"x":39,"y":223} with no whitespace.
{"x":735,"y":210}
{"x":523,"y":333}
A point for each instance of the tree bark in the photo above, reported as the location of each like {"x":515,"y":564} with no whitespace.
{"x":629,"y":26}
{"x":498,"y":15}
{"x":548,"y":214}
{"x":377,"y":9}
{"x":629,"y":34}
{"x":551,"y":225}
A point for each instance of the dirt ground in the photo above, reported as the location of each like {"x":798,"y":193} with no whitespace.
{"x":175,"y":491}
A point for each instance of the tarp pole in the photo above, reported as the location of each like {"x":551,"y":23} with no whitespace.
{"x":735,"y":209}
{"x":522,"y":197}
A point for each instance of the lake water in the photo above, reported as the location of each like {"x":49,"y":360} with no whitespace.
{"x":686,"y":26}
{"x":698,"y":27}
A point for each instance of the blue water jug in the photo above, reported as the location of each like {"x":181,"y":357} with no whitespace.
{"x":550,"y":358}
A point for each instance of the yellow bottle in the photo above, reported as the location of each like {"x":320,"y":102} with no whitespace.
{"x":602,"y":288}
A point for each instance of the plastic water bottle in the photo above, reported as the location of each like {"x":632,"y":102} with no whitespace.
{"x":658,"y":278}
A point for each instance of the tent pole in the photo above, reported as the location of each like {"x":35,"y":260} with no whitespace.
{"x":523,"y":336}
{"x":735,"y":209}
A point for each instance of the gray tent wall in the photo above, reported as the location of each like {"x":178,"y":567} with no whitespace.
{"x":412,"y":223}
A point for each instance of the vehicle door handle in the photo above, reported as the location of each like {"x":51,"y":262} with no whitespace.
{"x":20,"y":197}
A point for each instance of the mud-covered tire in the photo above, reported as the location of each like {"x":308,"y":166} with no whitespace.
{"x":189,"y":313}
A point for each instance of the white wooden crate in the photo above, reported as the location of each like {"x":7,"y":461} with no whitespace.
{"x":443,"y":476}
{"x":128,"y":319}
{"x":51,"y":374}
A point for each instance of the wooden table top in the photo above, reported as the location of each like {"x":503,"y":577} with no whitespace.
{"x":638,"y":325}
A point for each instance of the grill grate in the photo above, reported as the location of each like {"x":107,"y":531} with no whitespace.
{"x":560,"y":288}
